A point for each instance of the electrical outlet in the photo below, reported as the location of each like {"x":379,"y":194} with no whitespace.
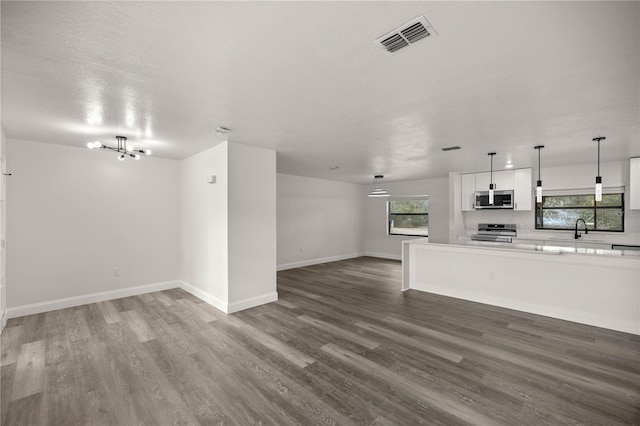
{"x":116,"y":272}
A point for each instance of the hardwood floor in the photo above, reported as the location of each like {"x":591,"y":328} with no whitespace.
{"x":342,"y":346}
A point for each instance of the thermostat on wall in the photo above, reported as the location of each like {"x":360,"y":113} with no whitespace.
{"x":211,"y":179}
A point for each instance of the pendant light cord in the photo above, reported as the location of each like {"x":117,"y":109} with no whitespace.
{"x":598,"y":157}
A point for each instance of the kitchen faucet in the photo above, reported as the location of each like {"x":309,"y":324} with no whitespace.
{"x":586,"y":231}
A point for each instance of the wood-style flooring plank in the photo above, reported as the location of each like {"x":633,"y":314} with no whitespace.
{"x":109,"y":311}
{"x":342,"y":346}
{"x":139,"y":326}
{"x":29,"y":374}
{"x":11,"y":341}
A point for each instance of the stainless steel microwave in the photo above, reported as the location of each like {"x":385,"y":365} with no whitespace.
{"x":501,"y":200}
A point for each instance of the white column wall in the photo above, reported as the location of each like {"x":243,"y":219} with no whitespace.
{"x":228,"y":240}
{"x":252,"y":226}
{"x":204,"y":225}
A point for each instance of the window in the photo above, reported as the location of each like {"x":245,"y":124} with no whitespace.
{"x":409,"y":217}
{"x":562,"y":211}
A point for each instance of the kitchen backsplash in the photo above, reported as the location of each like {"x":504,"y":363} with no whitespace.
{"x":526,"y":226}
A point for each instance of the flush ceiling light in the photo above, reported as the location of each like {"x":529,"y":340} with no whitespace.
{"x":123,"y":149}
{"x":539,"y":182}
{"x":491,"y":154}
{"x":599,"y":178}
{"x":377,"y":190}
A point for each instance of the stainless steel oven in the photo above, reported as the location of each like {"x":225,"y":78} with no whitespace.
{"x":495,"y":232}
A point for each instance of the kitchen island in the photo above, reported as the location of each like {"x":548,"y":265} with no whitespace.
{"x":592,"y":286}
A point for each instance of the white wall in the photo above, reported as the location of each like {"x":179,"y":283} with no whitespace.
{"x":3,"y":228}
{"x":582,"y":176}
{"x":204,"y":224}
{"x":378,"y":243}
{"x":228,"y":240}
{"x":75,"y":214}
{"x":252,"y":226}
{"x":318,"y":220}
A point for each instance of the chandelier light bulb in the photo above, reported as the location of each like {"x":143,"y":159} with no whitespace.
{"x":90,"y":145}
{"x":121,"y":157}
{"x":147,"y":151}
{"x":137,"y":156}
{"x":129,"y":148}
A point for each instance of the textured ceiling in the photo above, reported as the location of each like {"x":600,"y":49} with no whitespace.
{"x":307,"y":79}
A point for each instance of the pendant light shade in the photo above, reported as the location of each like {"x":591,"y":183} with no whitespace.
{"x":491,"y":154}
{"x":539,"y":182}
{"x":377,"y":190}
{"x":598,"y":191}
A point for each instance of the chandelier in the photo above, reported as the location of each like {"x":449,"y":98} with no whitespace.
{"x":123,"y":149}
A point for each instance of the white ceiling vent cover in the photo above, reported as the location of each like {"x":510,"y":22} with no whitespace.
{"x":408,"y":33}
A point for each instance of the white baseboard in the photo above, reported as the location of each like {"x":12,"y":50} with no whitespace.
{"x":69,"y":302}
{"x":251,"y":302}
{"x":592,"y":319}
{"x":229,"y":308}
{"x":383,"y":255}
{"x":203,"y":295}
{"x":317,"y":261}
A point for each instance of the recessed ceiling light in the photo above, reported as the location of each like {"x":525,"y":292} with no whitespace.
{"x":221,"y":130}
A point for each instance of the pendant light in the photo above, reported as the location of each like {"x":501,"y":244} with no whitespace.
{"x":377,"y":190}
{"x":598,"y":177}
{"x":491,"y":154}
{"x":539,"y":183}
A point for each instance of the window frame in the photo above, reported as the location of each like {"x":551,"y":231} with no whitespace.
{"x":389,"y":214}
{"x":539,"y":209}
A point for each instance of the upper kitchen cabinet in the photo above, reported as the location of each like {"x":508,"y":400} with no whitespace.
{"x":522,"y":189}
{"x":634,"y":183}
{"x":502,"y":179}
{"x":518,"y":180}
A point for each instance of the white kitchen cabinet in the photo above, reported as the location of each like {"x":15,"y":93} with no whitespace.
{"x":482,"y":181}
{"x":522,"y":190}
{"x":518,"y":180}
{"x":634,"y":183}
{"x":502,"y":179}
{"x":468,"y":192}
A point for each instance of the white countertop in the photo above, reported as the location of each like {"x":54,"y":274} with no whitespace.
{"x":538,"y":248}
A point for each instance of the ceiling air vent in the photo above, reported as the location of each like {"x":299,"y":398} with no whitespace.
{"x":408,"y":33}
